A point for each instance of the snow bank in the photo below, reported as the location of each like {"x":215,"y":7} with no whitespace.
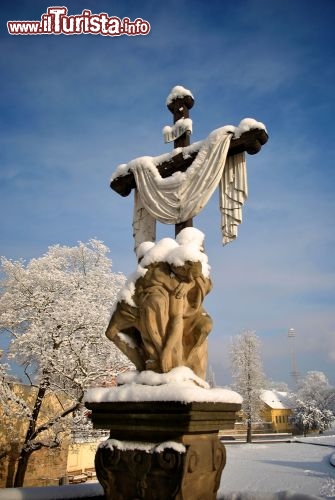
{"x":321,"y":439}
{"x":264,"y":470}
{"x":180,"y":384}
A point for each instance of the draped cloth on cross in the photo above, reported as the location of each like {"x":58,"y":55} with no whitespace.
{"x":174,"y":199}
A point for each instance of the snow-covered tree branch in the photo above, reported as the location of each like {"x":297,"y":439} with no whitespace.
{"x":314,"y":403}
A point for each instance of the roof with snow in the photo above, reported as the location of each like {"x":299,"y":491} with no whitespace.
{"x":276,"y":400}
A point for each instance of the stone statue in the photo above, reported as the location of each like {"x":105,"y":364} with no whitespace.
{"x":166,"y":326}
{"x":159,"y":321}
{"x":161,"y":324}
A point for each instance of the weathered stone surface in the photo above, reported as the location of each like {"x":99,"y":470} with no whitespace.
{"x":161,"y":420}
{"x":205,"y":460}
{"x":169,"y":474}
{"x":168,"y":327}
{"x":136,"y":474}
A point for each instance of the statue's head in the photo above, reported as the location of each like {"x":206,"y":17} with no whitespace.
{"x":188,"y":271}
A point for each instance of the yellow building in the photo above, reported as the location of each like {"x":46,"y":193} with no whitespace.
{"x":45,"y":465}
{"x":277,"y":410}
{"x":80,"y":460}
{"x":81,"y":456}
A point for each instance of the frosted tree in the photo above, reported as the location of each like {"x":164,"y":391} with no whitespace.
{"x":280,"y":386}
{"x":308,"y":417}
{"x":56,"y":309}
{"x":247,"y":372}
{"x":314,"y":403}
{"x":315,"y":387}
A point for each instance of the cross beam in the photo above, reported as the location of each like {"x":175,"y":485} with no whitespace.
{"x":250,"y":142}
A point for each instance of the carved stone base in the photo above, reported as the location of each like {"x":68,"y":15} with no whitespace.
{"x":184,"y":460}
{"x":192,"y":474}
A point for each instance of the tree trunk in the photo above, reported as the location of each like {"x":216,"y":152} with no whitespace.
{"x":22,"y":467}
{"x":249,"y":435}
{"x":26,"y":451}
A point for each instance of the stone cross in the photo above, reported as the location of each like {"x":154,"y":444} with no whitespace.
{"x":250,"y":142}
{"x":180,"y":107}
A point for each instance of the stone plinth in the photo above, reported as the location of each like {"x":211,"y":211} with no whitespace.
{"x":161,"y":450}
{"x":161,"y":420}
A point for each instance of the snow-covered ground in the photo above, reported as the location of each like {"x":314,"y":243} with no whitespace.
{"x":300,"y":470}
{"x":301,"y":466}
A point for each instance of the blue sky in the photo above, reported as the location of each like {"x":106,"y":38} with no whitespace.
{"x":74,"y":107}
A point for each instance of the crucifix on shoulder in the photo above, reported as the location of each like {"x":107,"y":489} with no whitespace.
{"x":175,"y":187}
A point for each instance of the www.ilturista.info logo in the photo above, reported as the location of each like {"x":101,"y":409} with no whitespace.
{"x":57,"y":22}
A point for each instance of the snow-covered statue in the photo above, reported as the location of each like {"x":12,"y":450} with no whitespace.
{"x":159,"y":321}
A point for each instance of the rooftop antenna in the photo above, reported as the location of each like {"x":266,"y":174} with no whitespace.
{"x":294,"y":370}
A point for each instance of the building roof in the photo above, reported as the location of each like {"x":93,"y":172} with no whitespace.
{"x":276,"y":400}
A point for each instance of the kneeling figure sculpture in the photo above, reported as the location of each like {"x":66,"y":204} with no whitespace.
{"x":164,"y":325}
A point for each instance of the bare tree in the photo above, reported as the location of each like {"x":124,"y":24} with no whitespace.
{"x":56,"y":309}
{"x":248,"y":375}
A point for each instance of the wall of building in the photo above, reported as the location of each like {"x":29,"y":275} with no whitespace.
{"x":81,"y":456}
{"x":281,"y":420}
{"x":45,"y":466}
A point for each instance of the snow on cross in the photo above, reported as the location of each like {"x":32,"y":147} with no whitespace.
{"x":182,"y":182}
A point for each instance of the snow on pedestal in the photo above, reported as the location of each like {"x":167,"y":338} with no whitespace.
{"x":180,"y":384}
{"x":163,"y":434}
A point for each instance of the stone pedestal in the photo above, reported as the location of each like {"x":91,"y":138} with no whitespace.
{"x":161,"y":450}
